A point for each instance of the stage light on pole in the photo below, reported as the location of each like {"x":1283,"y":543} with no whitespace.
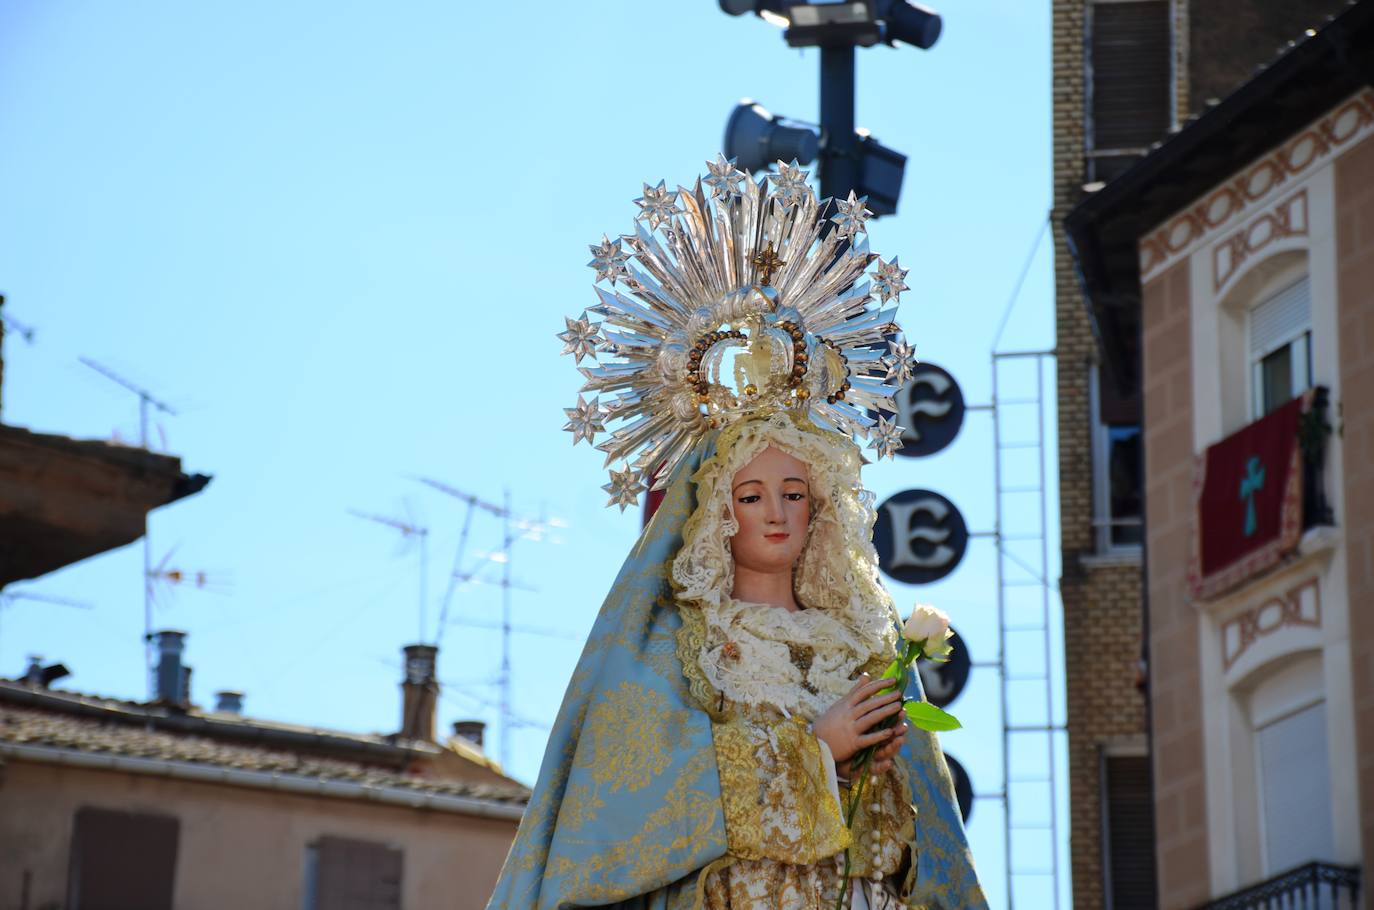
{"x":757,"y":138}
{"x":848,"y":159}
{"x":833,"y":24}
{"x":910,"y":22}
{"x":880,"y":174}
{"x":771,"y":11}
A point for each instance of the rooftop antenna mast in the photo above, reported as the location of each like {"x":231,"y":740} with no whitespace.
{"x":513,"y":528}
{"x":169,"y":577}
{"x":145,"y":401}
{"x":409,"y":529}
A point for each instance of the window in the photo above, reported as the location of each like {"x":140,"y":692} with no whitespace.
{"x":1129,"y":76}
{"x":1280,"y":347}
{"x":1128,"y":833}
{"x":121,"y":860}
{"x":1292,"y":767}
{"x":345,"y":874}
{"x":1117,"y":449}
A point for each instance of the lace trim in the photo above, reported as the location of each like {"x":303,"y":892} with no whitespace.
{"x":838,"y":569}
{"x":800,"y":663}
{"x":691,"y":639}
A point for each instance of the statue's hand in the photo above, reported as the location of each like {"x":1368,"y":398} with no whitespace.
{"x":844,"y":726}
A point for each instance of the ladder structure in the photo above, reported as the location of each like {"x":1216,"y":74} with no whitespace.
{"x":1033,"y":731}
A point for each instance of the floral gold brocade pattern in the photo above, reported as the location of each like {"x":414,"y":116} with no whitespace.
{"x":773,"y":784}
{"x":629,"y":730}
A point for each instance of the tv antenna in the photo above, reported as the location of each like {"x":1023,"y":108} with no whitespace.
{"x":165,"y":578}
{"x":410,"y":529}
{"x":513,"y":528}
{"x":146,"y":400}
{"x":25,"y":331}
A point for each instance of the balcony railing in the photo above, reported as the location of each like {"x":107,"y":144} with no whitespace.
{"x":1313,"y":432}
{"x":1315,"y":886}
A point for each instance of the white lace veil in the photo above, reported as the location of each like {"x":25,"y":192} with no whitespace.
{"x":849,"y":616}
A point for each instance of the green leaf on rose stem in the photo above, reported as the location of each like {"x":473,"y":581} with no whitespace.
{"x":926,"y":716}
{"x":891,"y":671}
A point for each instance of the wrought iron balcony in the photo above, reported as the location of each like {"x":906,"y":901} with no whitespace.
{"x":1315,"y":886}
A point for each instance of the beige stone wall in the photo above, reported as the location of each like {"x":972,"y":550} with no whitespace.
{"x":238,"y":847}
{"x":1354,"y":418}
{"x":1179,"y":774}
{"x":1102,"y":619}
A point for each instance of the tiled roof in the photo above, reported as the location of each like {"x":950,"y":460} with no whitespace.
{"x":48,"y":724}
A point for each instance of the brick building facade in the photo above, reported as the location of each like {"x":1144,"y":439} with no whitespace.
{"x":1127,"y":73}
{"x":1230,"y":269}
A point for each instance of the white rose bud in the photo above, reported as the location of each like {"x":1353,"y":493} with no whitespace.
{"x":927,"y":626}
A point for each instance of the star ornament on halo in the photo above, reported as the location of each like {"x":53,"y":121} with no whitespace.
{"x":900,"y":361}
{"x":724,"y":179}
{"x":609,"y":260}
{"x":889,"y":280}
{"x":852,"y":215}
{"x":581,"y":338}
{"x":886,"y":437}
{"x":585,"y":420}
{"x":624,"y":489}
{"x":658,"y":205}
{"x":789,"y":184}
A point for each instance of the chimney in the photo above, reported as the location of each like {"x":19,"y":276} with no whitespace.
{"x":40,"y":677}
{"x":419,"y":693}
{"x":470,"y":730}
{"x":228,"y":701}
{"x":172,"y":680}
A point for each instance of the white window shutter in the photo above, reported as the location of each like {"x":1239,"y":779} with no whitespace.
{"x":1280,"y":319}
{"x":1295,"y":782}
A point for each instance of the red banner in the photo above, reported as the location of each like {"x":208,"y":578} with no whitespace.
{"x":1248,"y":490}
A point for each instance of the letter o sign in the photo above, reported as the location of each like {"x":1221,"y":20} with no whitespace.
{"x":920,"y":537}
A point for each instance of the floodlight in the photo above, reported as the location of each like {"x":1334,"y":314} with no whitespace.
{"x":880,"y":174}
{"x":910,"y":22}
{"x":764,"y":9}
{"x":756,"y":138}
{"x":833,"y":24}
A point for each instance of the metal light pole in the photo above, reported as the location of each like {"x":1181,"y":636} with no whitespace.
{"x":848,"y":161}
{"x":839,"y":170}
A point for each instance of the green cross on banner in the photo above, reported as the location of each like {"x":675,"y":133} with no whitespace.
{"x":1250,"y":485}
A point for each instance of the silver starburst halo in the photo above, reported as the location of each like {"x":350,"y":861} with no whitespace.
{"x":737,"y":301}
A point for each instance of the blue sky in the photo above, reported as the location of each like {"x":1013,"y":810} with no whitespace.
{"x":339,"y":239}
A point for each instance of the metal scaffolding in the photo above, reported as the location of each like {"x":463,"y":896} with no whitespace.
{"x":1025,"y":615}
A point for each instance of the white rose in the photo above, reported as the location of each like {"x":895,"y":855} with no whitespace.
{"x":926,"y":625}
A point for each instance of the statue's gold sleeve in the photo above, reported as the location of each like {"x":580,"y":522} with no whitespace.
{"x":775,"y":785}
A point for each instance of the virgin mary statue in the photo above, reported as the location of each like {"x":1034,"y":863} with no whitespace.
{"x":703,"y":753}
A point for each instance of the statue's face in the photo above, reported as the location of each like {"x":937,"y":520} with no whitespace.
{"x":772,"y":501}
